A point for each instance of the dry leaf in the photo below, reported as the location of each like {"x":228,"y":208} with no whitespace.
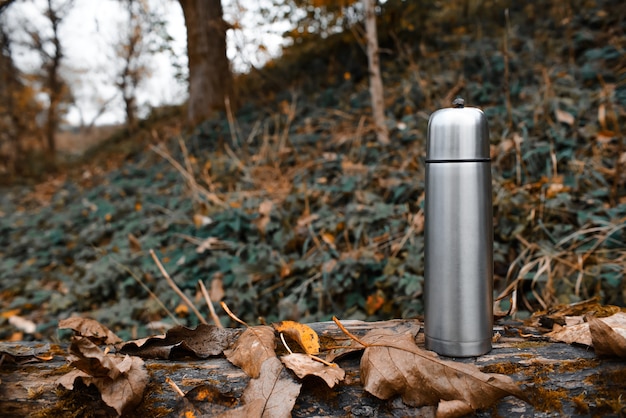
{"x":304,"y":335}
{"x":275,"y":387}
{"x":609,"y":340}
{"x":581,"y":334}
{"x":23,"y":324}
{"x":564,"y":117}
{"x":250,"y":410}
{"x":19,"y":353}
{"x":202,"y":342}
{"x":393,"y":364}
{"x":251,"y":349}
{"x":91,"y":329}
{"x":121,"y":380}
{"x":303,"y":365}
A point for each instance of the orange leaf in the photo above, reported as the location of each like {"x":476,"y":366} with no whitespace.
{"x":304,"y":335}
{"x":374,"y":302}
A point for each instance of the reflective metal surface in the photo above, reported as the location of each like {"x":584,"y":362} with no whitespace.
{"x":458,"y":134}
{"x":458,"y":292}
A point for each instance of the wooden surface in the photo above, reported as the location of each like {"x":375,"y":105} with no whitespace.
{"x":560,"y":379}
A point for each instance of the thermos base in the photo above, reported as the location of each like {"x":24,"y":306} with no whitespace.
{"x":458,"y":348}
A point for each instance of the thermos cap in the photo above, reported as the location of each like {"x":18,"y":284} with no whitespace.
{"x":457,"y":134}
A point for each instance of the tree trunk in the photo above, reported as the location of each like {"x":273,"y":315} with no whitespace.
{"x":210,"y":78}
{"x":559,"y":379}
{"x":376,"y":83}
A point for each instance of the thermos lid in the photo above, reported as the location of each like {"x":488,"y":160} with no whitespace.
{"x":457,"y":134}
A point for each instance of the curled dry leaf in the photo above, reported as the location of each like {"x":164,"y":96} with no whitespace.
{"x":582,"y":333}
{"x":251,"y":349}
{"x":304,"y":335}
{"x":121,"y":380}
{"x":393,"y":364}
{"x":202,"y":342}
{"x":90,"y":328}
{"x":609,"y":340}
{"x":274,"y":392}
{"x":303,"y":365}
{"x":18,"y":353}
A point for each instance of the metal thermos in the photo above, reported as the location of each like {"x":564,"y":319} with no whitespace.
{"x":458,"y":289}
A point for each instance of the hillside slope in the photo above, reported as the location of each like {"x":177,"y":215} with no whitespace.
{"x":292,"y":210}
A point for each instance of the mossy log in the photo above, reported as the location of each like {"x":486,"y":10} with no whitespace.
{"x":558,"y":378}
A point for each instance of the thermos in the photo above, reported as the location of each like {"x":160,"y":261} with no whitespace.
{"x":458,"y":259}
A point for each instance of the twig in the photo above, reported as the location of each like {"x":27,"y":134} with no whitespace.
{"x":207,"y":298}
{"x":175,"y":387}
{"x":348,"y":333}
{"x":212,"y":197}
{"x":150,"y":292}
{"x":232,"y":315}
{"x":282,"y":338}
{"x":176,"y":288}
{"x":192,"y":181}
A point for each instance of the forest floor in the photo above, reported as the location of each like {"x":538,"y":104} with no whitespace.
{"x":290,"y":209}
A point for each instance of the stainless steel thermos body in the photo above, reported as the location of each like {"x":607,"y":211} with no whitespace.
{"x":458,"y":292}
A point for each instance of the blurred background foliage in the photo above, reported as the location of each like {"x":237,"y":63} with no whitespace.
{"x":290,"y":209}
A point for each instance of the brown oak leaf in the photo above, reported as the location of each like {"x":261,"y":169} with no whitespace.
{"x":276,"y":389}
{"x":393,"y":364}
{"x":251,"y":349}
{"x":90,"y":328}
{"x":582,"y":334}
{"x":609,"y":335}
{"x":303,"y":365}
{"x":121,"y":380}
{"x":202,"y":342}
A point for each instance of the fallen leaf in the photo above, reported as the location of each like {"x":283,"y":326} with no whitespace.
{"x":304,"y":335}
{"x":121,"y":380}
{"x":23,"y":324}
{"x":303,"y":365}
{"x":393,"y":364}
{"x":581,"y":334}
{"x":91,"y":329}
{"x":202,"y":342}
{"x":374,"y":302}
{"x":609,"y":340}
{"x":19,"y":353}
{"x":251,"y":349}
{"x":213,"y":243}
{"x":564,"y":117}
{"x":451,"y":409}
{"x":275,"y":387}
{"x":250,"y":410}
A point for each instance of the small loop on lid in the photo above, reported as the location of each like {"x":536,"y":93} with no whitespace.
{"x":458,"y":103}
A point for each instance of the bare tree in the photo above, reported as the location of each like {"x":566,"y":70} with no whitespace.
{"x":18,"y":108}
{"x":210,"y":76}
{"x":131,"y":50}
{"x":376,"y":83}
{"x":51,"y":52}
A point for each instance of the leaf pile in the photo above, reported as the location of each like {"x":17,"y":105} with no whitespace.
{"x":294,"y":211}
{"x":392,"y":365}
{"x":121,"y":380}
